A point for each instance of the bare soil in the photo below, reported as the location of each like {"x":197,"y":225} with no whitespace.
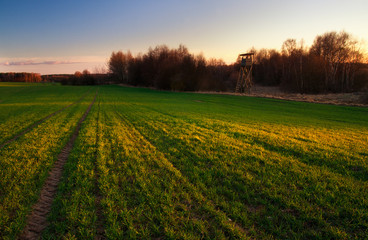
{"x":347,"y":99}
{"x":37,"y":220}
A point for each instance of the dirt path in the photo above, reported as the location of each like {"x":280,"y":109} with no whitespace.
{"x":37,"y":220}
{"x":38,"y":123}
{"x":345,"y":99}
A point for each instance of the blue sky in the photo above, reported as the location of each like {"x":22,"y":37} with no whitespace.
{"x":68,"y":36}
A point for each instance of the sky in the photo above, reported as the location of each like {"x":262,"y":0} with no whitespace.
{"x":54,"y":37}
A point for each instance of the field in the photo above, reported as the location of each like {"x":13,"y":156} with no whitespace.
{"x":149,"y":164}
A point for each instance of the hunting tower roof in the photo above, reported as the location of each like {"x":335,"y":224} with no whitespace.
{"x":246,"y":54}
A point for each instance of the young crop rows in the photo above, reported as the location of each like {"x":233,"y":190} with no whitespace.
{"x":144,"y":164}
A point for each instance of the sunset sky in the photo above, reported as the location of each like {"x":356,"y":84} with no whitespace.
{"x":71,"y":35}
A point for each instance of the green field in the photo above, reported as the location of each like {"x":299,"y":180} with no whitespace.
{"x":165,"y":165}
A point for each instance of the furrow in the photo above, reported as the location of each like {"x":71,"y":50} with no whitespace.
{"x":274,"y":141}
{"x":37,"y":220}
{"x":26,"y":130}
{"x":99,"y":211}
{"x":213,"y":213}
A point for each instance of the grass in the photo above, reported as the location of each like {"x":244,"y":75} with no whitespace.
{"x":24,"y":104}
{"x":25,"y":163}
{"x":155,"y":164}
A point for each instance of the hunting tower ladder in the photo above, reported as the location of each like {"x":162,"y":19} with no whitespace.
{"x":244,"y":82}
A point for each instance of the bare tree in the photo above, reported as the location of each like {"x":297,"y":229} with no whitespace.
{"x":101,"y":69}
{"x":353,"y":57}
{"x":339,"y":51}
{"x":118,"y":65}
{"x":292,"y":53}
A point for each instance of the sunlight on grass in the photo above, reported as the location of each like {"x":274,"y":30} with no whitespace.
{"x":155,"y":164}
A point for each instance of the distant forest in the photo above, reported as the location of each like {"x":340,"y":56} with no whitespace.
{"x":20,"y":77}
{"x":334,"y":63}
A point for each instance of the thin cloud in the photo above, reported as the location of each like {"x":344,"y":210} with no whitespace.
{"x":31,"y":62}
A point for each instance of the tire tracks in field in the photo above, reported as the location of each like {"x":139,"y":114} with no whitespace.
{"x":100,"y":222}
{"x":37,"y":220}
{"x":38,"y":122}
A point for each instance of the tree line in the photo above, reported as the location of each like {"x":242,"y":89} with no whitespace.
{"x":171,"y":69}
{"x":82,"y":78}
{"x":334,"y":63}
{"x":20,"y":77}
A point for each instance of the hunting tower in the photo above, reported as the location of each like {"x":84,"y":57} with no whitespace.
{"x":244,"y":82}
